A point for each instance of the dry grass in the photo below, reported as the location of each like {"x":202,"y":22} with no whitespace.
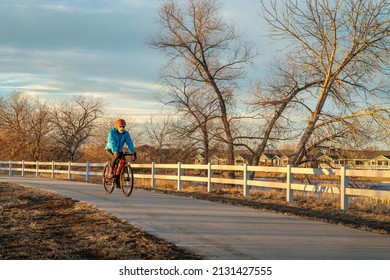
{"x":37,"y":224}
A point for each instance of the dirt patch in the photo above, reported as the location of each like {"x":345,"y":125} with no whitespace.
{"x":37,"y":224}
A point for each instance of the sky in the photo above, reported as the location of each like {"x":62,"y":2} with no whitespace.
{"x":54,"y":49}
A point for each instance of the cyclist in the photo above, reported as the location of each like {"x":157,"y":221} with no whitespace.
{"x":117,"y":137}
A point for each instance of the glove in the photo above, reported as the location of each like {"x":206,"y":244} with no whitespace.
{"x":134,"y":156}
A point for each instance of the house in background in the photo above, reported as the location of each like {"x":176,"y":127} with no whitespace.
{"x":214,"y":159}
{"x":381,"y":162}
{"x":365,"y":159}
{"x":284,"y":160}
{"x":199,"y":159}
{"x":266,"y":159}
{"x":241,"y":159}
{"x":275,"y":158}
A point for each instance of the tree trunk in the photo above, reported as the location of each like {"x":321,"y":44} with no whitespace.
{"x":299,"y":152}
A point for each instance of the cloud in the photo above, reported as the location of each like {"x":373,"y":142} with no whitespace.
{"x":75,"y":71}
{"x":53,"y":48}
{"x":99,"y":25}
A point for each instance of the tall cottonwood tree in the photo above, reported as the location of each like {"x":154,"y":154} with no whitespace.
{"x":197,"y":109}
{"x":194,"y":36}
{"x":274,"y":101}
{"x":340,"y":46}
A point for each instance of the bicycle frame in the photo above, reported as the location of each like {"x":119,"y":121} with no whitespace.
{"x":118,"y":166}
{"x":123,"y":176}
{"x":120,"y":162}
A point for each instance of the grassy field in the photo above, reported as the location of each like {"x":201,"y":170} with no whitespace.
{"x":43,"y":225}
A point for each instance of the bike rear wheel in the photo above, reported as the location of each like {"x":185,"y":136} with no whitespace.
{"x":127,"y":180}
{"x":108,"y":184}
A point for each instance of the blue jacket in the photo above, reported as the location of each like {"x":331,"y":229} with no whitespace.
{"x":116,"y":141}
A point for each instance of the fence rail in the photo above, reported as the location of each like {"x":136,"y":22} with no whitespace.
{"x":285,"y":179}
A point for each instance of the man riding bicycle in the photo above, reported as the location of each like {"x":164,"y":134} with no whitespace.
{"x":117,"y":137}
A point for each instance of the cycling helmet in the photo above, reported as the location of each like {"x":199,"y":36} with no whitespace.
{"x":120,"y":122}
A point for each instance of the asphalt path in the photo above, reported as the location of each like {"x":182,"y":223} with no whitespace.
{"x":224,"y":232}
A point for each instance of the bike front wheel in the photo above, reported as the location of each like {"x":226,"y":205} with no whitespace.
{"x":127,"y":180}
{"x":108,"y":184}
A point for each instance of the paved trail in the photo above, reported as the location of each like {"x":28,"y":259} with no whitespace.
{"x":220,"y":231}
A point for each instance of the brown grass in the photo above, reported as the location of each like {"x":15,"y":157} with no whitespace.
{"x":37,"y":224}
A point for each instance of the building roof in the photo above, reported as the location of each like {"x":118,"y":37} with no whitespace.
{"x":387,"y":157}
{"x":360,"y":154}
{"x":246,"y":157}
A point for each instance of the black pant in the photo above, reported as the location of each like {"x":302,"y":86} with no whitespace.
{"x":112,"y":161}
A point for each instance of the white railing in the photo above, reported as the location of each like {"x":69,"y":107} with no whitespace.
{"x":286,"y":175}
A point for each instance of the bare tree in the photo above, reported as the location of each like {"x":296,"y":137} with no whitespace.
{"x":25,"y":122}
{"x":13,"y":119}
{"x":341,"y":45}
{"x":158,"y":135}
{"x":40,"y":130}
{"x":273,"y":103}
{"x":74,"y":123}
{"x":195,"y":37}
{"x":197,"y":108}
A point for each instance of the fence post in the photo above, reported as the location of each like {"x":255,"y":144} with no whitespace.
{"x":179,"y":173}
{"x":52,"y":169}
{"x":22,"y":168}
{"x":153,"y":180}
{"x":209,"y":176}
{"x":87,"y":172}
{"x":245,"y":180}
{"x":289,"y":180}
{"x":70,"y":171}
{"x":344,"y":182}
{"x":10,"y":168}
{"x":37,"y":169}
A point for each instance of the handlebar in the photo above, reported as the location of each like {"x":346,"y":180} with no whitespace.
{"x":125,"y":155}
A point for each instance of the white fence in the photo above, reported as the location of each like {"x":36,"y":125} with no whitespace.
{"x":340,"y":187}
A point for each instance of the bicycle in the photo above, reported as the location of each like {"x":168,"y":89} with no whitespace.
{"x":123,"y":177}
